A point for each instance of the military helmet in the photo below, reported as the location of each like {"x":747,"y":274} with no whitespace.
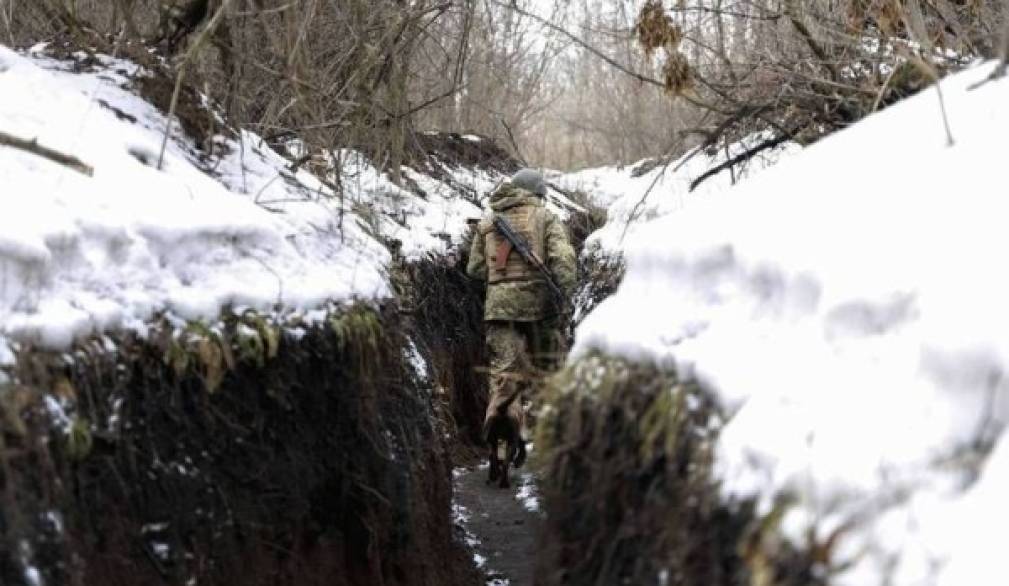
{"x":530,"y":180}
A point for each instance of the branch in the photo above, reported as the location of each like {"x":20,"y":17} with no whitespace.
{"x":744,"y":156}
{"x":32,"y":146}
{"x":613,"y":62}
{"x":511,"y":139}
{"x":793,"y":15}
{"x":193,"y":50}
{"x":1000,"y":70}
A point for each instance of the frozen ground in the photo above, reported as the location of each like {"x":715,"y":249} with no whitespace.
{"x":848,"y":307}
{"x":500,"y":525}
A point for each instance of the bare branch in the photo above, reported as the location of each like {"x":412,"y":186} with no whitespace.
{"x":32,"y":146}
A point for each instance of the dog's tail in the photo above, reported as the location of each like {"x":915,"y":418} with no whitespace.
{"x":520,"y":454}
{"x":503,"y":407}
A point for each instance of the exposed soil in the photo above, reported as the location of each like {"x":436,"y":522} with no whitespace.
{"x":506,"y":529}
{"x":300,"y":459}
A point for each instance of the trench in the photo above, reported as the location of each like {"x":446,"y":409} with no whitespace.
{"x":260,"y":450}
{"x":501,"y":526}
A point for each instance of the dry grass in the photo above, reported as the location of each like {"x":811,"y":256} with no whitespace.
{"x":626,"y":452}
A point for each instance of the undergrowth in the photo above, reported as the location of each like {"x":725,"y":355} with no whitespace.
{"x":626,"y":451}
{"x":248,"y":451}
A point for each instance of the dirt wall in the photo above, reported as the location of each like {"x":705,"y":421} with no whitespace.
{"x":243,"y":453}
{"x":626,"y":451}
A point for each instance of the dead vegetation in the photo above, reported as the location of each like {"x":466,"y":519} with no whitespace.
{"x":626,"y":452}
{"x":444,"y":308}
{"x":235,"y":454}
{"x":644,"y":79}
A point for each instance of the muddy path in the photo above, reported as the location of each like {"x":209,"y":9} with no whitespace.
{"x":501,"y":524}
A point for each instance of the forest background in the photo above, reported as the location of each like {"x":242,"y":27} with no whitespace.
{"x":563,"y":84}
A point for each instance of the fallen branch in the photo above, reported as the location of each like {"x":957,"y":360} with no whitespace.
{"x":32,"y":146}
{"x":743,"y":156}
{"x":1000,"y":70}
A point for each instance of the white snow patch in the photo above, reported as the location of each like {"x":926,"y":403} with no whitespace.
{"x":55,"y":519}
{"x":527,"y":493}
{"x":7,"y":357}
{"x":631,"y":202}
{"x":435,"y":222}
{"x":154,"y":528}
{"x":85,"y":254}
{"x":162,"y":550}
{"x":461,"y":517}
{"x":417,"y":361}
{"x":57,"y":412}
{"x":33,"y":576}
{"x":848,"y":307}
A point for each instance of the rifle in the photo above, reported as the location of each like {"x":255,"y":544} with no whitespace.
{"x":505,"y":229}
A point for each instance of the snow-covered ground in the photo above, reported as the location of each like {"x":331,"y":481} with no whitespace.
{"x":81,"y":254}
{"x":848,"y":306}
{"x":632,"y":201}
{"x":435,"y":220}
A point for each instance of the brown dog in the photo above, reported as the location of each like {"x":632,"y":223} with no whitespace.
{"x":505,"y":425}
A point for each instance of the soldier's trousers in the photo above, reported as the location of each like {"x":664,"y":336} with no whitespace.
{"x":520,"y":353}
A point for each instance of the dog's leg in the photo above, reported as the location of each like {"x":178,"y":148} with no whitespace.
{"x":509,"y":456}
{"x":495,"y":464}
{"x":520,"y":452}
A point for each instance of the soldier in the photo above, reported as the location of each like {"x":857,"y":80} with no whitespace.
{"x":522,"y":322}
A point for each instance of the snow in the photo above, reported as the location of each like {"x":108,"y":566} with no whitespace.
{"x":417,"y":362}
{"x":7,"y":357}
{"x":162,"y":550}
{"x":418,"y":225}
{"x":57,"y":410}
{"x":83,"y":254}
{"x":847,"y":306}
{"x":631,"y":201}
{"x":434,"y":222}
{"x":527,"y":493}
{"x":32,"y":576}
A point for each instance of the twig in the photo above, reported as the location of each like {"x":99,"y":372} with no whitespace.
{"x":745,"y":155}
{"x":511,"y":139}
{"x":997,"y":73}
{"x":7,"y":22}
{"x":32,"y":146}
{"x":182,"y":70}
{"x":793,"y":15}
{"x":633,"y":216}
{"x":882,"y":90}
{"x":945,"y":117}
{"x":930,"y":72}
{"x":611,"y":61}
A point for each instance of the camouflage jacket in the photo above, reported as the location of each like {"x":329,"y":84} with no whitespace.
{"x":516,"y":291}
